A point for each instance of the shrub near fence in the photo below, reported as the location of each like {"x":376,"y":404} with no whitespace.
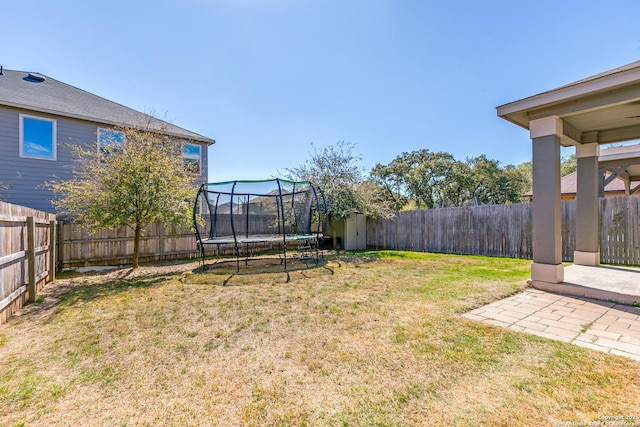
{"x":27,"y":242}
{"x":506,"y":230}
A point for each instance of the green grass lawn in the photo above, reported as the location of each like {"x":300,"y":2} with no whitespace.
{"x":369,"y":339}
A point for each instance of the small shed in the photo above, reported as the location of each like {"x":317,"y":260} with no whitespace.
{"x":355,"y":232}
{"x":351,"y":232}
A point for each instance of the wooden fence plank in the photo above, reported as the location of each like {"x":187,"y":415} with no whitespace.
{"x":31,"y":258}
{"x":14,"y":251}
{"x":12,"y":257}
{"x":12,"y":297}
{"x":15,"y":240}
{"x":52,"y":251}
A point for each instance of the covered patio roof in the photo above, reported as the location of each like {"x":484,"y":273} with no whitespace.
{"x":604,"y":108}
{"x":599,"y":110}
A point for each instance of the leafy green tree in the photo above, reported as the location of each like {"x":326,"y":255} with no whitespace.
{"x":391,"y":185}
{"x":568,"y":164}
{"x":426,"y":178}
{"x":429,"y":180}
{"x":375,"y":201}
{"x":522,"y":173}
{"x":520,"y":178}
{"x":132,"y":183}
{"x":492,"y":184}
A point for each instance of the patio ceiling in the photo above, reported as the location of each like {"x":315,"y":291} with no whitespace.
{"x":604,"y":108}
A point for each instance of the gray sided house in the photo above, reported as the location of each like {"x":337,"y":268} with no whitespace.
{"x":41,"y":117}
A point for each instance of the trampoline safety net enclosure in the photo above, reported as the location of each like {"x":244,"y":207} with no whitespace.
{"x":268,"y":214}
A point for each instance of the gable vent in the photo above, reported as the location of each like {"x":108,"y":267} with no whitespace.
{"x":34,"y":78}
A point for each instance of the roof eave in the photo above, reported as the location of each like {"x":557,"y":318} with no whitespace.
{"x":198,"y":138}
{"x":516,"y":112}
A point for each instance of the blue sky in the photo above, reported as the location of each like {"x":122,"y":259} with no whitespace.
{"x":268,"y":78}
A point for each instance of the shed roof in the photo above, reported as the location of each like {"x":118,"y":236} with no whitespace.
{"x":40,"y":93}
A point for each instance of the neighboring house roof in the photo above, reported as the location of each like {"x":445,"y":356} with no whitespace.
{"x":37,"y":92}
{"x":223,"y":208}
{"x":569,"y":185}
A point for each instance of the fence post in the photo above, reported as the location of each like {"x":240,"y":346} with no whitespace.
{"x":60,"y":246}
{"x":161,"y":233}
{"x":31,"y":258}
{"x":52,"y":251}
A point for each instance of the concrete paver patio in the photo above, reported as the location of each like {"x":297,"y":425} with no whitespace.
{"x":600,"y":325}
{"x":607,"y":283}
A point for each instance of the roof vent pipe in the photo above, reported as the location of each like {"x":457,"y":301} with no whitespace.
{"x":1,"y":73}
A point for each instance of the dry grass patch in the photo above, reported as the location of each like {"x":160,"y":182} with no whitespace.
{"x":369,"y":339}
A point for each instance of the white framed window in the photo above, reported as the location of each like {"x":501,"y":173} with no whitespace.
{"x":38,"y":138}
{"x":191,"y":156}
{"x":109,"y":140}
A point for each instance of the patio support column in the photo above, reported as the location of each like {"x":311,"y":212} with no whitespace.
{"x":587,"y":218}
{"x":547,"y":238}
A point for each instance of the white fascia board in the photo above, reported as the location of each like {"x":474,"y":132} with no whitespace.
{"x":621,"y":156}
{"x":571,"y":91}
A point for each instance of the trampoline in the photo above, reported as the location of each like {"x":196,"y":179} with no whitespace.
{"x":250,"y":216}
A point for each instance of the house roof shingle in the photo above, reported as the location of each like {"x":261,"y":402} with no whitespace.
{"x":51,"y":96}
{"x":569,"y":185}
{"x":569,"y":182}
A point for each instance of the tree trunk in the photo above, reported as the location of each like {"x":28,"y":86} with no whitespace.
{"x":136,"y":244}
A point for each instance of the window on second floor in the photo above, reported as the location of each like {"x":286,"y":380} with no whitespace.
{"x":109,"y":140}
{"x":37,"y":137}
{"x":191,"y":156}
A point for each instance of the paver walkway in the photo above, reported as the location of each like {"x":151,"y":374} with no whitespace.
{"x":600,"y":325}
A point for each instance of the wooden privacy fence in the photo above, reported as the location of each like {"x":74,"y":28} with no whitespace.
{"x":506,"y":230}
{"x":27,"y":255}
{"x":78,"y":248}
{"x":620,"y":230}
{"x":495,"y":230}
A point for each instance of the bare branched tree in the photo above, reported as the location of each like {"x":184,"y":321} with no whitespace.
{"x":336,"y":170}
